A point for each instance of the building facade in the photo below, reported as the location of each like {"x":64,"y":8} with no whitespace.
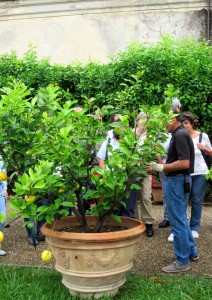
{"x":82,"y":30}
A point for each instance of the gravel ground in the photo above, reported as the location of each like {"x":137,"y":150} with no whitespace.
{"x":153,"y":253}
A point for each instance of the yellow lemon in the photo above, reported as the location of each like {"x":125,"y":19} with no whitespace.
{"x":29,"y":198}
{"x":3,"y":176}
{"x":61,"y":191}
{"x":46,"y":256}
{"x":1,"y":236}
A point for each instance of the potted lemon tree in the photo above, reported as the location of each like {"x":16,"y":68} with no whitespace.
{"x":49,"y":146}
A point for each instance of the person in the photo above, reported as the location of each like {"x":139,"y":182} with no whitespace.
{"x":36,"y":230}
{"x":176,"y":105}
{"x":145,"y":193}
{"x":113,"y":140}
{"x":178,"y":167}
{"x":114,"y":118}
{"x":199,"y":183}
{"x":3,"y":199}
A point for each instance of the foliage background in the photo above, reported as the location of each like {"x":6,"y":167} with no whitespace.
{"x":143,"y":69}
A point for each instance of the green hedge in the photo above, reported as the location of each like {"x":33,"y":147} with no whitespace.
{"x":140,"y":74}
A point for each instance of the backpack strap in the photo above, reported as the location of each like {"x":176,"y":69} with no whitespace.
{"x":200,"y":137}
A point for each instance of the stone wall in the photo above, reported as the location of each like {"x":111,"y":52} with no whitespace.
{"x":82,"y":30}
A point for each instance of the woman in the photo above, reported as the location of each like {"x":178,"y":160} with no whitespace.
{"x":3,"y":198}
{"x":145,"y":193}
{"x":199,"y":183}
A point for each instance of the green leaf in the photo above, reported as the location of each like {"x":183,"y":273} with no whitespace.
{"x":64,"y":212}
{"x":68,"y":204}
{"x":123,"y":204}
{"x":17,"y":204}
{"x":42,"y":209}
{"x":135,"y":186}
{"x":30,"y":224}
{"x":116,"y":218}
{"x":39,"y":185}
{"x":26,"y":215}
{"x":2,"y":217}
{"x":49,"y":219}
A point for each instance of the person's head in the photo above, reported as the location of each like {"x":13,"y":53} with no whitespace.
{"x":78,"y":108}
{"x":115,"y":118}
{"x":176,"y":104}
{"x":188,"y":120}
{"x":97,"y":117}
{"x":140,"y":123}
{"x":174,"y":123}
{"x":141,"y":117}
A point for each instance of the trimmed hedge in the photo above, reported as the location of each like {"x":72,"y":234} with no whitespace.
{"x":140,"y":74}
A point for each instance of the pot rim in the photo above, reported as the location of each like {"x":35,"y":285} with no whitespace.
{"x":136,"y":228}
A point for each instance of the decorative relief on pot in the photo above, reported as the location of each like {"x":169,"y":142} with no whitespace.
{"x":103,"y":259}
{"x":62,"y":257}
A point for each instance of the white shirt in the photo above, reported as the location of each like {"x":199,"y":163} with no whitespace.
{"x":200,"y":166}
{"x":102,"y":153}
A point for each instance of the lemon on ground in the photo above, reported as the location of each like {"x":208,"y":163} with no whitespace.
{"x":3,"y":176}
{"x":1,"y":236}
{"x":46,"y":256}
{"x":29,"y":198}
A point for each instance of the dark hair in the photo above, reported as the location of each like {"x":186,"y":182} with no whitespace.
{"x":115,"y":135}
{"x":187,"y":115}
{"x":177,"y":117}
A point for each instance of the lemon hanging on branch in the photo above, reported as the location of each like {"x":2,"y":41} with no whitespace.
{"x":1,"y":236}
{"x":3,"y":176}
{"x":46,"y":256}
{"x":29,"y":198}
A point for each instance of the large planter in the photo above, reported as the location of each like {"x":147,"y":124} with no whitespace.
{"x":93,"y":264}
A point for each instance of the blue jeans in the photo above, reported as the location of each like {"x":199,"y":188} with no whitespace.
{"x":199,"y":184}
{"x":184,"y":244}
{"x":2,"y":205}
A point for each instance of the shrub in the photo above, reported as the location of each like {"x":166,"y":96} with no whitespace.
{"x":185,"y":64}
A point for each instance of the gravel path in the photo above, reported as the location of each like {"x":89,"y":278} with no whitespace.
{"x":153,"y":253}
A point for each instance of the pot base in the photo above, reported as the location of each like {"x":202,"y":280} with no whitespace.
{"x":87,"y":292}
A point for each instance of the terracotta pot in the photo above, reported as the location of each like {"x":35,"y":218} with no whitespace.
{"x":93,"y":264}
{"x":157,"y":193}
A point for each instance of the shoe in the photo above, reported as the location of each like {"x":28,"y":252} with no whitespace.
{"x":171,"y":238}
{"x":30,"y":241}
{"x":195,"y":234}
{"x":165,"y":223}
{"x":40,"y":237}
{"x":2,"y":252}
{"x":194,"y":258}
{"x":175,"y":268}
{"x":6,"y":225}
{"x":149,"y":230}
